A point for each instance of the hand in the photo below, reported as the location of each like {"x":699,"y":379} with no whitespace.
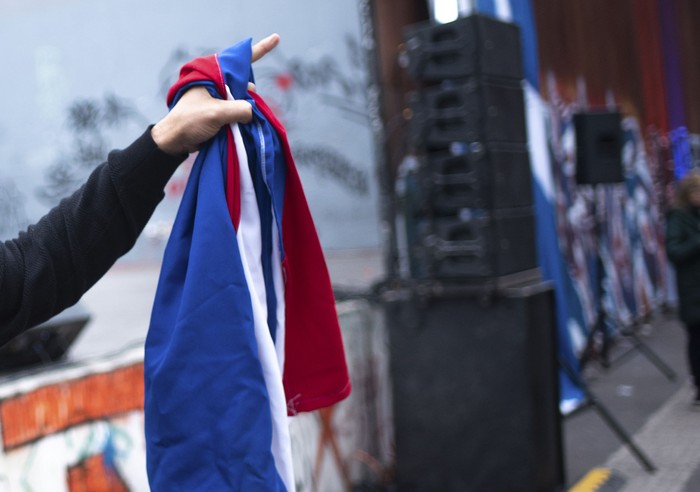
{"x":197,"y":116}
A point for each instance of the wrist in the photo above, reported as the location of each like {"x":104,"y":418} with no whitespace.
{"x":166,"y":139}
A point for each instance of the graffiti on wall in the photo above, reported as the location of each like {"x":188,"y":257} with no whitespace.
{"x":76,"y":435}
{"x":335,"y":87}
{"x":329,"y":163}
{"x":342,"y":89}
{"x":331,"y":86}
{"x":623,"y":223}
{"x":80,"y":427}
{"x":89,"y":122}
{"x":12,"y":214}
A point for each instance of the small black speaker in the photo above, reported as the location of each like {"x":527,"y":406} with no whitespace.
{"x":475,"y":392}
{"x":472,"y":45}
{"x":598,"y":147}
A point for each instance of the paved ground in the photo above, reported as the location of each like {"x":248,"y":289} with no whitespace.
{"x":656,"y":412}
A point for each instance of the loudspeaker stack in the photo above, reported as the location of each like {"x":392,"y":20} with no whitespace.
{"x":474,"y":376}
{"x":469,"y":210}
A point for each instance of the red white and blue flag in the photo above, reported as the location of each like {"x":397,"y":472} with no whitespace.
{"x":244,"y":330}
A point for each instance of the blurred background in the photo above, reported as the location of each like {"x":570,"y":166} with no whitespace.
{"x":558,"y":216}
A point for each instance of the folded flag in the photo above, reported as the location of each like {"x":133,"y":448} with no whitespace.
{"x":244,"y":330}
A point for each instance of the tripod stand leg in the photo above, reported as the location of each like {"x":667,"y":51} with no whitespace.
{"x":653,"y":357}
{"x":597,"y":333}
{"x":621,"y":433}
{"x":608,"y":418}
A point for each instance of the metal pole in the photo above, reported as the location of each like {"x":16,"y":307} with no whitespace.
{"x":374,"y":99}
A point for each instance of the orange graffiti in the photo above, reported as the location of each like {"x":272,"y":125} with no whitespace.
{"x":93,"y":475}
{"x":56,"y":407}
{"x":328,"y":438}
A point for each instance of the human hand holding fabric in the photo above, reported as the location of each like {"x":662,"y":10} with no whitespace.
{"x":198,"y":116}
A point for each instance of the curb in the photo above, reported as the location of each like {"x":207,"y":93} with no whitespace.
{"x":599,"y":480}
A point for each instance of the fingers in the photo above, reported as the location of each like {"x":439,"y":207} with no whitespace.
{"x":200,"y":108}
{"x":236,"y":112}
{"x":251,"y":87}
{"x":263,"y":47}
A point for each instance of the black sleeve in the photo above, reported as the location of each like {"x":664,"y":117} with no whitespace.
{"x":48,"y":267}
{"x":682,"y":237}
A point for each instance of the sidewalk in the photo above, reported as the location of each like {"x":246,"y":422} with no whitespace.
{"x":656,"y":413}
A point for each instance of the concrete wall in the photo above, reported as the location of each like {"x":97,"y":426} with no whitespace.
{"x":79,"y":427}
{"x":83,"y":77}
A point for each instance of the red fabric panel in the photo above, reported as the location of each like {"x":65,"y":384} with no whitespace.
{"x":233,"y":180}
{"x":315,"y":371}
{"x":199,"y":69}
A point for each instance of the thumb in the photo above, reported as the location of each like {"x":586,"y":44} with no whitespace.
{"x":234,"y":111}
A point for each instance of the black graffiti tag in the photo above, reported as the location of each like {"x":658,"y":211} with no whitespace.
{"x":329,"y":163}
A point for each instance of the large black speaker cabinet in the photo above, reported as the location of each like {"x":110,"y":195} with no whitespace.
{"x":475,"y":392}
{"x":475,"y":176}
{"x":468,"y":46}
{"x":472,"y":244}
{"x":598,"y":147}
{"x":472,"y":110}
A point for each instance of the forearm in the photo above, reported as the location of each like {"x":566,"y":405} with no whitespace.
{"x":49,"y":267}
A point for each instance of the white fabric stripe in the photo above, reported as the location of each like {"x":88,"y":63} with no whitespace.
{"x":536,"y":114}
{"x":277,"y":277}
{"x":249,"y":236}
{"x":503,"y":10}
{"x":466,"y":7}
{"x":250,"y":245}
{"x":278,"y":280}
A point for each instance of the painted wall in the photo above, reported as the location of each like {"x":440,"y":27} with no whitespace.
{"x":79,"y":428}
{"x":607,"y":55}
{"x":83,"y":77}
